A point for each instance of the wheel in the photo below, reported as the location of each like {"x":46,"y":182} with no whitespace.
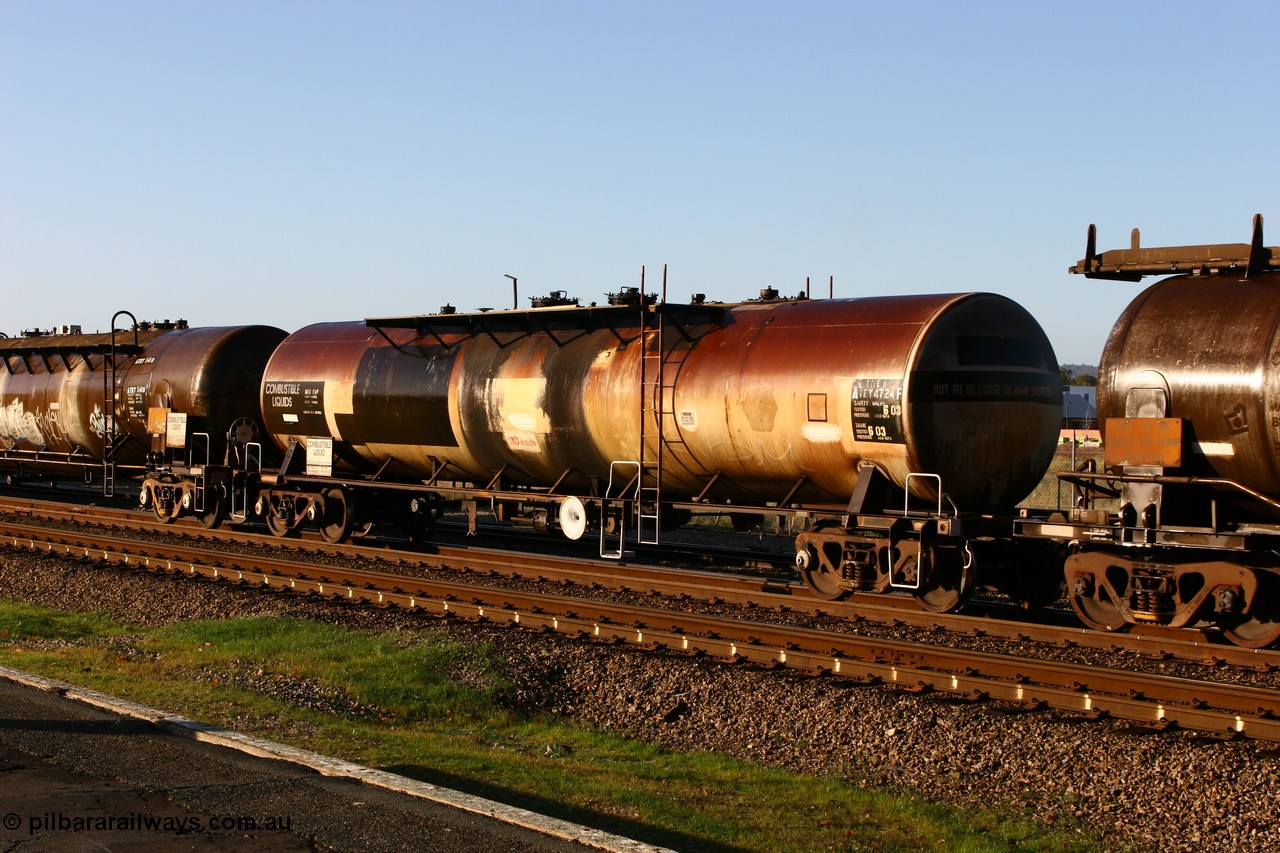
{"x":611,"y":523}
{"x":1094,"y":605}
{"x":1261,"y":627}
{"x":215,"y":510}
{"x":280,"y":527}
{"x":945,"y":585}
{"x":1255,"y":633}
{"x":337,"y":523}
{"x":818,"y":576}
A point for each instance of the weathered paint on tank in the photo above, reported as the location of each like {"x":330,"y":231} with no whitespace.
{"x":1205,"y":349}
{"x":55,"y":402}
{"x":52,"y":399}
{"x":964,"y":386}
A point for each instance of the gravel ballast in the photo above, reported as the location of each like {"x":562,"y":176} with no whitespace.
{"x":1168,"y":791}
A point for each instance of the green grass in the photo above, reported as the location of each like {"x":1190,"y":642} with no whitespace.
{"x":423,"y":705}
{"x":29,"y":622}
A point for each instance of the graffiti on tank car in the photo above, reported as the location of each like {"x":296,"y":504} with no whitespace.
{"x":47,"y":423}
{"x":761,"y":451}
{"x":98,"y":423}
{"x":523,"y":441}
{"x":17,"y":424}
{"x":40,"y":428}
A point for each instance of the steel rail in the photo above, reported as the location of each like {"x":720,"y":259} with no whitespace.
{"x":1156,"y":700}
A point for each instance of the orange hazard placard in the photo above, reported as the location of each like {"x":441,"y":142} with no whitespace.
{"x":1143,"y":441}
{"x":157,"y":421}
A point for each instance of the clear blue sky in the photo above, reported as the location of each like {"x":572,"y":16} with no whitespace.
{"x":292,"y":162}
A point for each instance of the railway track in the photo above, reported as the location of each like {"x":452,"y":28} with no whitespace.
{"x":1158,"y":701}
{"x":767,"y":593}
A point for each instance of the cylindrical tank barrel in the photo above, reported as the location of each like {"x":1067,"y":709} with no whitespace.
{"x":764,"y":398}
{"x":1205,"y":349}
{"x":963,"y":386}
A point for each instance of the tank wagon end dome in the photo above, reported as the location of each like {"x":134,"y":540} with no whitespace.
{"x":984,"y":400}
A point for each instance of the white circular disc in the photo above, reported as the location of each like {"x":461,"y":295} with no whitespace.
{"x":573,"y":518}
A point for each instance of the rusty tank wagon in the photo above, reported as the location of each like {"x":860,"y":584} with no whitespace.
{"x":1189,"y":402}
{"x":91,"y":406}
{"x":632,"y":417}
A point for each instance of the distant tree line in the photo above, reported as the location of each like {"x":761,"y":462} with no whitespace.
{"x":1069,"y":377}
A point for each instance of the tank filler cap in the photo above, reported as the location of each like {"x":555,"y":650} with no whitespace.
{"x":633,"y":297}
{"x":555,"y":299}
{"x":770,"y":294}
